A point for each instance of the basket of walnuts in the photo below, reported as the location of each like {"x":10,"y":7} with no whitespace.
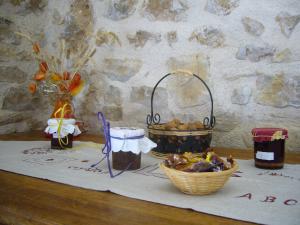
{"x":176,"y":136}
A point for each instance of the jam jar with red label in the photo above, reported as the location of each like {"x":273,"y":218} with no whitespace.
{"x":269,"y":147}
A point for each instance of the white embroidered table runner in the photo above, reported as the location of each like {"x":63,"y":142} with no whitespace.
{"x":262,"y":196}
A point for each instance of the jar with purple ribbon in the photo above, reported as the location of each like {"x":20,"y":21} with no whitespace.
{"x":127,"y":144}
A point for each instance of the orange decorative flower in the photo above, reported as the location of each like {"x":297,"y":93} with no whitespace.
{"x":75,"y":80}
{"x":56,"y":77}
{"x":43,"y":67}
{"x":76,"y":84}
{"x":66,"y":75}
{"x":40,"y":76}
{"x":76,"y":89}
{"x":32,"y":88}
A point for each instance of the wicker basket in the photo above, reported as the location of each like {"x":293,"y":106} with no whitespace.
{"x":180,"y":141}
{"x":198,"y":183}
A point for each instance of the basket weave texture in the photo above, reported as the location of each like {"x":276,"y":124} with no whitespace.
{"x":180,"y":141}
{"x":198,"y":183}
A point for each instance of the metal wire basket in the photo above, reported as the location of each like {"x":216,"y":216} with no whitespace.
{"x":179,"y":141}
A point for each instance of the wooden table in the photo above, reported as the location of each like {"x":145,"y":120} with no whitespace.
{"x":27,"y":200}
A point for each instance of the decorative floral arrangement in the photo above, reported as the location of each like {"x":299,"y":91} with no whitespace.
{"x":53,"y":77}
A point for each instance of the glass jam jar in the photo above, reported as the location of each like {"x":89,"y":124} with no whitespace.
{"x":269,"y":147}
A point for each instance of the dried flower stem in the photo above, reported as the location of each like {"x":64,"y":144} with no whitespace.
{"x":80,"y":57}
{"x":25,"y":36}
{"x":115,"y":38}
{"x":44,"y":53}
{"x":62,"y":55}
{"x":84,"y":60}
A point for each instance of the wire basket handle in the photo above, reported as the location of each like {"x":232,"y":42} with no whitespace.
{"x":208,"y":122}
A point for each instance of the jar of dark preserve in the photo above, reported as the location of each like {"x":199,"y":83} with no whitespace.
{"x":269,"y":147}
{"x":66,"y":142}
{"x":127,"y":144}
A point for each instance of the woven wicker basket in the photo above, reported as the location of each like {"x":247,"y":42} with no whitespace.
{"x":198,"y":183}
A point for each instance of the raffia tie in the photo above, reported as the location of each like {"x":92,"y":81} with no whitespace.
{"x":62,"y":112}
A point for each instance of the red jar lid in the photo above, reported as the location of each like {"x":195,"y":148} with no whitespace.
{"x":269,"y":134}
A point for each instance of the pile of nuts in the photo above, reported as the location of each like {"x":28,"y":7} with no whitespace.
{"x":176,"y":124}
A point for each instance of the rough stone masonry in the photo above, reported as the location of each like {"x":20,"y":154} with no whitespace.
{"x":247,"y":51}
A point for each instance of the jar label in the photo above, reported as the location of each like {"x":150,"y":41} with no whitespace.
{"x":265,"y":155}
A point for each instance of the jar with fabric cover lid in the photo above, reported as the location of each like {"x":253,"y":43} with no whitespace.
{"x":269,"y":147}
{"x":127,"y":144}
{"x":62,"y":131}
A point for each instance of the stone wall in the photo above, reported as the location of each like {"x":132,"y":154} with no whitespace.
{"x":247,"y":51}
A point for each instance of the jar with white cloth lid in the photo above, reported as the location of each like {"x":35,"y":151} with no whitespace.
{"x":62,"y":131}
{"x":127,"y":144}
